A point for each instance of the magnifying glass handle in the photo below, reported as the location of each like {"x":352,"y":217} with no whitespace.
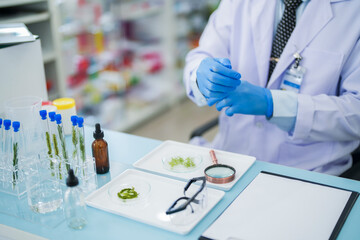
{"x":213,"y":157}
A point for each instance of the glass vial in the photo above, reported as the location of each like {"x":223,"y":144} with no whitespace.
{"x":100,"y":151}
{"x":74,"y":203}
{"x":8,"y":141}
{"x":75,"y":142}
{"x":61,"y":135}
{"x":16,"y":155}
{"x":1,"y":139}
{"x":81,"y":138}
{"x":66,"y":107}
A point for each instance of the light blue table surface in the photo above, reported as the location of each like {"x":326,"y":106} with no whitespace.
{"x":125,"y":149}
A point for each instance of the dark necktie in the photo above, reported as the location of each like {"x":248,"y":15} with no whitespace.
{"x":283,"y":32}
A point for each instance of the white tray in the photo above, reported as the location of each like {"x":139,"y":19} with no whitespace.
{"x":163,"y":193}
{"x":153,"y":162}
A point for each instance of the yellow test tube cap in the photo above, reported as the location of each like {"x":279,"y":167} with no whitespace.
{"x":64,"y":103}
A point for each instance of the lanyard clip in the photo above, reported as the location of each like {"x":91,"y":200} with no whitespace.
{"x":298,"y":58}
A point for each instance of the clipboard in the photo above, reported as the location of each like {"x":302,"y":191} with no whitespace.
{"x":275,"y":206}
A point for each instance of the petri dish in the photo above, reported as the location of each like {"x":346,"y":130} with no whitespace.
{"x":182,"y":163}
{"x":141,"y":187}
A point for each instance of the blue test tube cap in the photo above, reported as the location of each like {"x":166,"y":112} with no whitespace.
{"x":16,"y":126}
{"x":80,"y":121}
{"x":74,"y":120}
{"x":52,"y":116}
{"x":58,"y":118}
{"x":0,"y":122}
{"x":43,"y":114}
{"x":7,"y":124}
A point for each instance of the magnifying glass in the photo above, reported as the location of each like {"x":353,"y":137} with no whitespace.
{"x":219,"y":173}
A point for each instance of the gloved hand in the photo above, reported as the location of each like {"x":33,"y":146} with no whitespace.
{"x":215,"y":78}
{"x":247,"y":99}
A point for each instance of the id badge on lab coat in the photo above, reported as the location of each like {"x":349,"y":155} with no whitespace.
{"x":293,"y":78}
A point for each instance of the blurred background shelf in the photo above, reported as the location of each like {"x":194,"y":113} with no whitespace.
{"x":10,"y":3}
{"x":24,"y":17}
{"x":121,"y":60}
{"x":136,"y":117}
{"x":133,"y":10}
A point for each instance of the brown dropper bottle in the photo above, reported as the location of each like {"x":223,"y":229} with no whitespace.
{"x":100,"y":151}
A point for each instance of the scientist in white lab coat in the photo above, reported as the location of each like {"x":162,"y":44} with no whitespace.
{"x":313,"y":123}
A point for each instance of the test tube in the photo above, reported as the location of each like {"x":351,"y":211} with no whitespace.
{"x":75,"y":140}
{"x":86,"y":165}
{"x":55,"y":140}
{"x":46,"y":138}
{"x":61,"y":135}
{"x":16,"y":152}
{"x":7,"y":143}
{"x":54,"y":134}
{"x":1,"y":140}
{"x":1,"y":149}
{"x":81,"y":151}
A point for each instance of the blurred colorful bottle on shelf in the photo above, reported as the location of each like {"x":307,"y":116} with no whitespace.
{"x":97,"y":31}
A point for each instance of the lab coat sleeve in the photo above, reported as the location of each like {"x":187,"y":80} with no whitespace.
{"x":199,"y":99}
{"x":332,"y":118}
{"x":285,"y":109}
{"x":214,"y":42}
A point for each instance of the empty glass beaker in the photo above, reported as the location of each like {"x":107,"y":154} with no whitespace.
{"x":43,"y":189}
{"x":85,"y":170}
{"x":25,"y":109}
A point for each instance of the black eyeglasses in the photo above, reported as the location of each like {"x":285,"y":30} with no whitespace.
{"x":186,"y":201}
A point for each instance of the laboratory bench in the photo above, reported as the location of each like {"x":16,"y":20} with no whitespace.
{"x":124,"y":150}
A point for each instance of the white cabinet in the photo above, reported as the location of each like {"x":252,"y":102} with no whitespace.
{"x":38,"y":16}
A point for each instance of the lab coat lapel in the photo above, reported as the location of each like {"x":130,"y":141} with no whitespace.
{"x":262,"y":13}
{"x":316,"y":15}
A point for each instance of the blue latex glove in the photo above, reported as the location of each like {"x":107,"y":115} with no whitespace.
{"x":247,"y":99}
{"x":215,"y":78}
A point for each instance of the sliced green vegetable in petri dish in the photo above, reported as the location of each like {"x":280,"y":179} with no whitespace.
{"x":128,"y":193}
{"x":132,"y":192}
{"x":182,"y":162}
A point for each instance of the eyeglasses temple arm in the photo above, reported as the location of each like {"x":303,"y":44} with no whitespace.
{"x":203,"y":179}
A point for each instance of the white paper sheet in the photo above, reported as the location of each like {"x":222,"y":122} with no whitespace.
{"x":275,"y":207}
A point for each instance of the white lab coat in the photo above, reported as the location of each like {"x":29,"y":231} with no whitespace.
{"x":327,"y":36}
